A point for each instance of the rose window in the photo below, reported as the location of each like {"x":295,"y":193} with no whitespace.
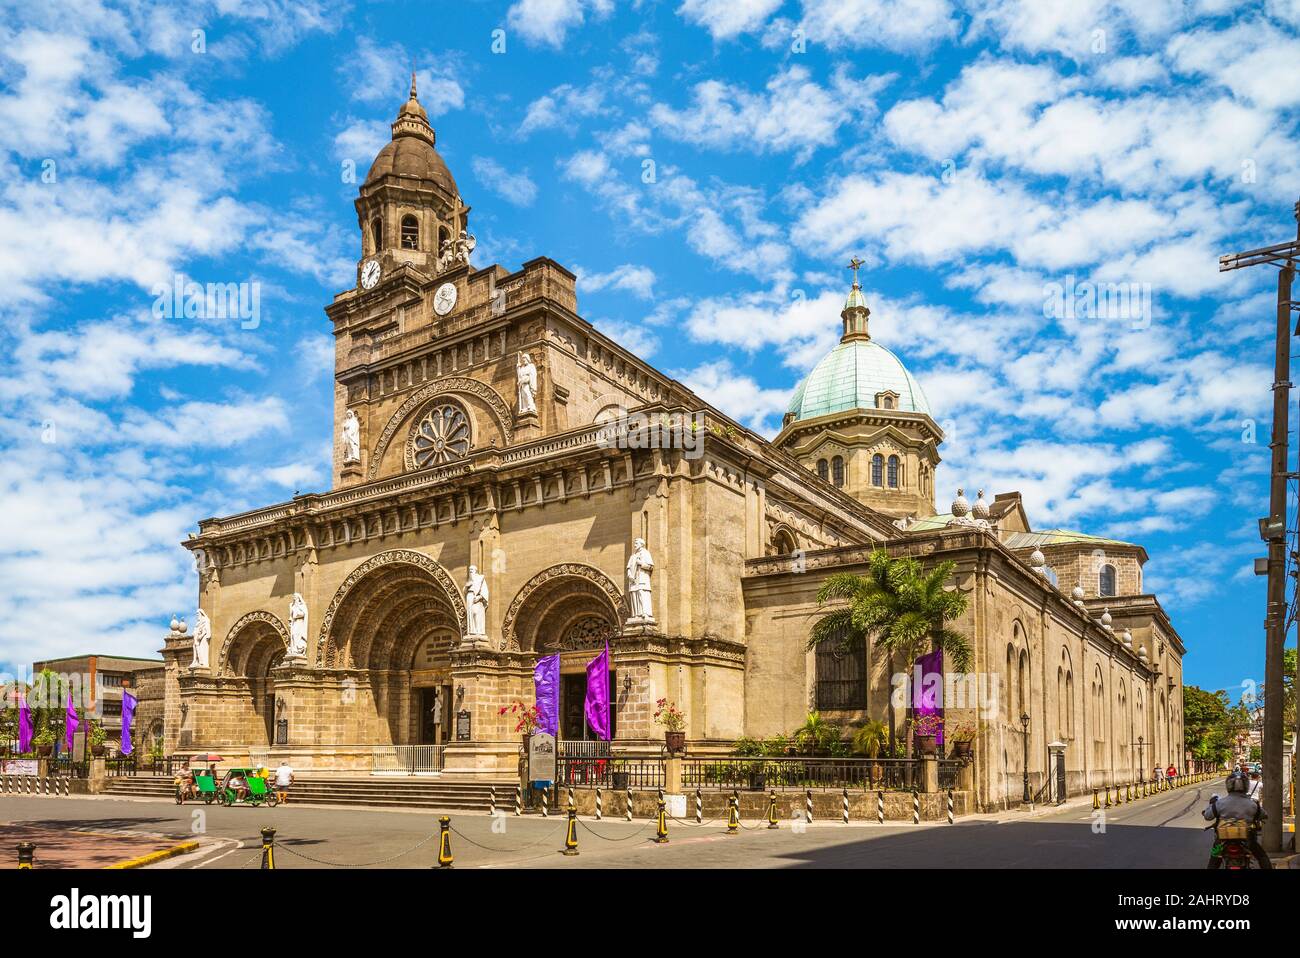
{"x":441,"y":436}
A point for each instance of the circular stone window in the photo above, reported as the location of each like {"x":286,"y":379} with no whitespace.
{"x":441,"y":436}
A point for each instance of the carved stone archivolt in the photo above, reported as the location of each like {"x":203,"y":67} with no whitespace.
{"x":442,"y":387}
{"x":588,"y":633}
{"x":405,"y":556}
{"x":590,"y":576}
{"x":267,"y":618}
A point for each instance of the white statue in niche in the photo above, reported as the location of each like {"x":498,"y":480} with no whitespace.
{"x":476,"y":603}
{"x":297,"y":627}
{"x":202,"y":640}
{"x":351,"y":437}
{"x":639,"y":566}
{"x":526,"y":377}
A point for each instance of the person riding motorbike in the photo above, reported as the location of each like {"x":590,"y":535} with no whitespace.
{"x":1238,"y":805}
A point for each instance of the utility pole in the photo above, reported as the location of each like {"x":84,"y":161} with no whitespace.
{"x":1273,"y":529}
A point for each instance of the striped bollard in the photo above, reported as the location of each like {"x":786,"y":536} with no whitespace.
{"x":916,"y":807}
{"x":808,"y":815}
{"x":699,"y":807}
{"x":771,"y":811}
{"x":846,"y":806}
{"x":951,"y":820}
{"x":445,"y":859}
{"x":600,"y":805}
{"x":26,"y":856}
{"x":629,"y":803}
{"x":880,"y":808}
{"x":519,"y":799}
{"x":492,"y":801}
{"x":546,"y":793}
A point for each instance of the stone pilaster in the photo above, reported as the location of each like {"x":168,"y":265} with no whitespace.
{"x":484,"y":681}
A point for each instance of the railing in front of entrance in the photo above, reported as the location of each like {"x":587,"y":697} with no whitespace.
{"x":408,"y":759}
{"x":577,"y":748}
{"x":798,"y":773}
{"x":616,"y":773}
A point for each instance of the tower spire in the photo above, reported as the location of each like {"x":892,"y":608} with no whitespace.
{"x":413,"y":96}
{"x":855,"y":312}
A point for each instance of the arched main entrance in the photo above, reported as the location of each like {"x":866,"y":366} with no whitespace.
{"x":391,"y":628}
{"x":570,"y":610}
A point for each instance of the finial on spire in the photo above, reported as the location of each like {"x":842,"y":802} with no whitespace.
{"x":855,"y":264}
{"x":413,"y":96}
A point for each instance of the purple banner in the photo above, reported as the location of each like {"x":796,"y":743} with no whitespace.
{"x":597,"y":705}
{"x":927,"y":692}
{"x":128,"y":717}
{"x":546,"y":692}
{"x":70,"y":723}
{"x":25,"y":734}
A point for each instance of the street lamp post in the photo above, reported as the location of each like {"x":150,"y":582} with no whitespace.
{"x":1142,"y":767}
{"x":1024,"y":724}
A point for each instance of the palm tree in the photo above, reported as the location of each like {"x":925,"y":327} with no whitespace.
{"x":902,"y":606}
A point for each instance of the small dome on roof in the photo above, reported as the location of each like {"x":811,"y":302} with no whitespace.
{"x":411,"y":152}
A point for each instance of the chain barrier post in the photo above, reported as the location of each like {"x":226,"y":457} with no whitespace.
{"x":445,"y":859}
{"x":1096,"y":800}
{"x":771,"y":811}
{"x":733,"y":814}
{"x":268,"y":849}
{"x":661,"y":825}
{"x":26,"y":856}
{"x":571,"y":832}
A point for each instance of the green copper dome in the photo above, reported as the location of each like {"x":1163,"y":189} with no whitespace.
{"x":850,"y":376}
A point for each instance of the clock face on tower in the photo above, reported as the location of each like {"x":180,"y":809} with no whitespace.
{"x":444,"y":300}
{"x":370,"y":274}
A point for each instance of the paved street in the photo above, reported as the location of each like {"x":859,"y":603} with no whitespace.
{"x":1158,"y":832}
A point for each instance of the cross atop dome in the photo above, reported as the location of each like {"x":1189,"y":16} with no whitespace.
{"x":855,"y":312}
{"x":855,"y":264}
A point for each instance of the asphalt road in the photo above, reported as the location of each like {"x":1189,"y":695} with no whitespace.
{"x":1158,"y":832}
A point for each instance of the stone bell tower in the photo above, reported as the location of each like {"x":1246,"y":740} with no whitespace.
{"x":409,"y":209}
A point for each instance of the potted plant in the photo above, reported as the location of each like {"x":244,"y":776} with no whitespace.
{"x":673,"y":720}
{"x":869,"y":740}
{"x":925,"y":731}
{"x":97,"y":737}
{"x":529,"y":719}
{"x":963,"y":740}
{"x":816,"y":736}
{"x":44,"y":742}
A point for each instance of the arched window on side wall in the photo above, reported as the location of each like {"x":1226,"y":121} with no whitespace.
{"x":841,"y":674}
{"x":837,"y":470}
{"x":877,"y":470}
{"x":823,"y":469}
{"x":893,"y":472}
{"x":410,"y":232}
{"x":1106,"y":580}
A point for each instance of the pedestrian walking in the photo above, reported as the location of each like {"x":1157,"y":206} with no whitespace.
{"x":283,"y":779}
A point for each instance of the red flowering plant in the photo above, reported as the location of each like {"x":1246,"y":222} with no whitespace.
{"x":928,"y":725}
{"x":669,"y":716}
{"x":529,"y":717}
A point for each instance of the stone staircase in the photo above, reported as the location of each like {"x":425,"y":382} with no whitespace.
{"x":369,"y":791}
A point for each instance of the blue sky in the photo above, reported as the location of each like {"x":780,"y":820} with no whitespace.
{"x":707,"y":168}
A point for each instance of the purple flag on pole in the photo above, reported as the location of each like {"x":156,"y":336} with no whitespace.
{"x":546,"y":692}
{"x":928,"y":690}
{"x":25,"y":735}
{"x":70,"y":723}
{"x":597,"y":705}
{"x":128,"y":716}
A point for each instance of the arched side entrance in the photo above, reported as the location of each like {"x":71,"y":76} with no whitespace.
{"x":391,"y":628}
{"x":255,"y":645}
{"x":571,"y":610}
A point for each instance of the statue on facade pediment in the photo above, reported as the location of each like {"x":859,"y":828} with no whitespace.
{"x":351,"y":434}
{"x":297,"y":627}
{"x":456,"y":251}
{"x":526,"y":379}
{"x":639,"y":566}
{"x":476,"y":603}
{"x":202,"y":640}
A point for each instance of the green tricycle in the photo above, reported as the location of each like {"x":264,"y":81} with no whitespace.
{"x":244,"y":786}
{"x":198,"y":786}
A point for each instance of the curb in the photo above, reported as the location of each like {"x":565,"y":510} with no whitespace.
{"x":181,"y":849}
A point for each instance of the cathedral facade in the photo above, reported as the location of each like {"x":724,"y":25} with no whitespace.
{"x":508,"y":482}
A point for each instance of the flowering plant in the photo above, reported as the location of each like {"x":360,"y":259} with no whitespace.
{"x":669,"y":716}
{"x":529,"y":717}
{"x":928,"y":725}
{"x":964,"y":732}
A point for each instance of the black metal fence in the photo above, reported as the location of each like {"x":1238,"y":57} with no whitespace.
{"x":794,"y":772}
{"x":616,"y":773}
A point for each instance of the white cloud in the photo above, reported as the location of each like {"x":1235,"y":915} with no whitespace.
{"x":637,"y":280}
{"x":548,"y":22}
{"x":516,"y":188}
{"x":725,"y":19}
{"x":736,"y":394}
{"x":902,"y":25}
{"x":380,"y":75}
